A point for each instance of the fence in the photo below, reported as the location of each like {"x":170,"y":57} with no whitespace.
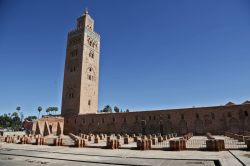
{"x":198,"y":144}
{"x":234,"y":144}
{"x":161,"y":145}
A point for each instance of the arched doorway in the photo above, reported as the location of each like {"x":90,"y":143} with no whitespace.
{"x":168,"y":127}
{"x":161,"y":127}
{"x":183,"y":127}
{"x":143,"y":127}
{"x":50,"y":128}
{"x":199,"y":127}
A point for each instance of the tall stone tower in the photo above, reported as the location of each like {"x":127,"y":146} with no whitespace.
{"x":81,"y":72}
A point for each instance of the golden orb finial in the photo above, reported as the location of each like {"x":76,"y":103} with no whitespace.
{"x":86,"y":11}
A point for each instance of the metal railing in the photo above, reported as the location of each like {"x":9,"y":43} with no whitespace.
{"x":196,"y":144}
{"x":201,"y":144}
{"x":161,"y":145}
{"x":234,"y":144}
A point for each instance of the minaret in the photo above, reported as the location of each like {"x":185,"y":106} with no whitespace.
{"x":81,"y":71}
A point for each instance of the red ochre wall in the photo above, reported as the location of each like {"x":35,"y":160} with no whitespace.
{"x":216,"y":119}
{"x":48,"y":125}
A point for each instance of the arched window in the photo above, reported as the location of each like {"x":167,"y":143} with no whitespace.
{"x":71,"y":93}
{"x":92,"y":42}
{"x":90,"y":74}
{"x":73,"y":69}
{"x":74,"y":53}
{"x":212,"y":114}
{"x":246,"y":113}
{"x":182,"y":116}
{"x":91,"y":54}
{"x":169,"y":117}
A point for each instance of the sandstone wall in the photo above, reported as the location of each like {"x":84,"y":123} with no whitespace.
{"x":48,"y":126}
{"x":216,"y":120}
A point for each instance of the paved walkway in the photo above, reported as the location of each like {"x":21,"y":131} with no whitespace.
{"x":24,"y":154}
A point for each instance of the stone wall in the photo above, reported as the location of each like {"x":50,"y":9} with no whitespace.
{"x":216,"y":120}
{"x":81,"y":71}
{"x":48,"y":125}
{"x":10,"y":133}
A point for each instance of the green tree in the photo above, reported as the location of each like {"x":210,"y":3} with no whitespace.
{"x":16,"y":123}
{"x":127,"y":110}
{"x":18,"y":108}
{"x":12,"y":121}
{"x":39,"y":110}
{"x":48,"y":111}
{"x":107,"y":108}
{"x":55,"y":109}
{"x":30,"y":118}
{"x":21,"y":116}
{"x":5,"y":120}
{"x":116,"y":109}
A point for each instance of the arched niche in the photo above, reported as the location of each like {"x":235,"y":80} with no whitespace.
{"x":183,"y":127}
{"x":233,"y":125}
{"x":199,"y":127}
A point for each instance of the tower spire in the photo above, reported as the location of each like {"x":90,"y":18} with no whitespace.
{"x":86,"y":11}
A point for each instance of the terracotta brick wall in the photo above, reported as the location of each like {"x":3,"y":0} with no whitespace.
{"x":53,"y":125}
{"x":216,"y":120}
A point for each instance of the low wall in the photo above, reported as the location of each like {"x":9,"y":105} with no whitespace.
{"x":5,"y":133}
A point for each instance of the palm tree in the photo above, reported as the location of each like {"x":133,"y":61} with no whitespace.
{"x":47,"y":111}
{"x":51,"y":110}
{"x":55,"y":109}
{"x":18,"y":109}
{"x":39,"y":110}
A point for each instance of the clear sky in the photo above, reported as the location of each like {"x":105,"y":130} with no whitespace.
{"x":154,"y":53}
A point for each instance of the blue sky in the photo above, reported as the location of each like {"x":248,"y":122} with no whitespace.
{"x":154,"y":54}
